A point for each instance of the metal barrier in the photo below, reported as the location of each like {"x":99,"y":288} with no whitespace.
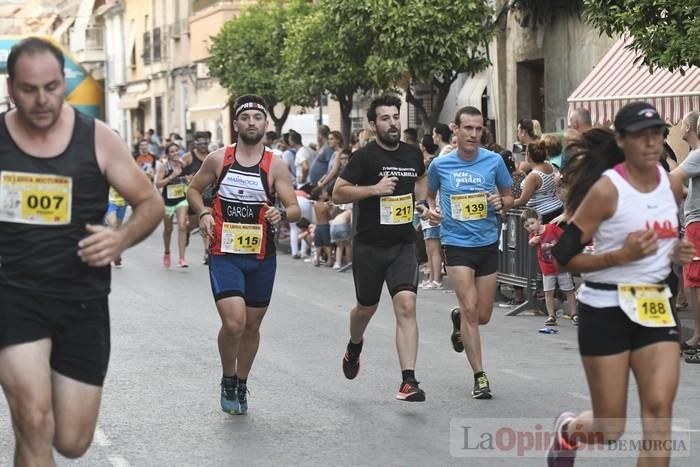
{"x":517,"y":262}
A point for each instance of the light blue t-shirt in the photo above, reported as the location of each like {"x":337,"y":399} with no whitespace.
{"x":451,"y":175}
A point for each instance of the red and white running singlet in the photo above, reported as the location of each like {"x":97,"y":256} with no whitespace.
{"x":242,"y":196}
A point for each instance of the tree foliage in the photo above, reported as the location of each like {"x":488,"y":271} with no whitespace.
{"x":538,"y":12}
{"x":246,"y":54}
{"x":666,"y":33}
{"x":431,"y":42}
{"x":327,"y":51}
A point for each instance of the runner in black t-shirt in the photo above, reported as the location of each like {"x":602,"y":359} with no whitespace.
{"x":381,"y":178}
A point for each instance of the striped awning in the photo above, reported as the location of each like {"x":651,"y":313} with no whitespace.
{"x":618,"y":80}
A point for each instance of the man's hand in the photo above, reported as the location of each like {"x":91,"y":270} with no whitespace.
{"x":496,"y":201}
{"x":102,"y":246}
{"x":273,"y":215}
{"x":386,"y":186}
{"x":206,"y":226}
{"x":683,"y":252}
{"x":435,"y":216}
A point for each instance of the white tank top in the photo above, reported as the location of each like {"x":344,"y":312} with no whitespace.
{"x":635,"y":211}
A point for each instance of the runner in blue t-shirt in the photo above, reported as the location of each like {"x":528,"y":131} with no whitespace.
{"x":474,"y":185}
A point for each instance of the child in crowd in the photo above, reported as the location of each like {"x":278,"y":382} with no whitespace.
{"x":306,"y":232}
{"x":322,"y":235}
{"x":341,"y":227}
{"x":544,"y":237}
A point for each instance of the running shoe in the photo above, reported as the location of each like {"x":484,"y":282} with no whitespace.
{"x":183,"y":263}
{"x":437,"y":285}
{"x":456,"y":336}
{"x":410,"y":392}
{"x":561,"y":453}
{"x":166,"y":260}
{"x":242,"y":391}
{"x":482,"y":390}
{"x":229,"y":400}
{"x":574,"y":319}
{"x":351,"y":365}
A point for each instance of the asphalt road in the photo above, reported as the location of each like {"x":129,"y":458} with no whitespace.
{"x":161,"y":397}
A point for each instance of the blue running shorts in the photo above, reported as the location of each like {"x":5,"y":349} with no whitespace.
{"x":243,"y":276}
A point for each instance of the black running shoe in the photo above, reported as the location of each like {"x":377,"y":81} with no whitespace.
{"x":456,"y":336}
{"x":410,"y":392}
{"x":351,"y":365}
{"x":481,"y":388}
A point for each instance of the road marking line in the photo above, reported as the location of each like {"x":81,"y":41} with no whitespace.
{"x":118,"y":461}
{"x":516,"y":373}
{"x":684,"y":430}
{"x":101,"y":438}
{"x":578,"y":395}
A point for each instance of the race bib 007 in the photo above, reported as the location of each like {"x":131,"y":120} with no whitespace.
{"x":30,"y":198}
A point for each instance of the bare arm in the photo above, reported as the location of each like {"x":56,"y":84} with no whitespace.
{"x":529,"y":187}
{"x":161,"y":179}
{"x":104,"y":244}
{"x":304,"y":171}
{"x":326,"y":179}
{"x":346,"y":192}
{"x":207,"y":175}
{"x":421,"y":189}
{"x":283,"y":187}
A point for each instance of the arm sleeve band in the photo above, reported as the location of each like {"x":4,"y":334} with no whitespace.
{"x":569,"y":245}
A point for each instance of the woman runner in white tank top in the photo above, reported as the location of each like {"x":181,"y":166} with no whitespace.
{"x":626,"y":323}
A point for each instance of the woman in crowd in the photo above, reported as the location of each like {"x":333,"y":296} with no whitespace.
{"x":539,"y":189}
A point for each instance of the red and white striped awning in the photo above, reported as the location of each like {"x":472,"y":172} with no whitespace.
{"x":617,"y":80}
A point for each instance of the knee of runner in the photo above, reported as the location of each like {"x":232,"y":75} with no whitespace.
{"x":484,"y":320}
{"x":604,"y":430}
{"x":73,"y":444}
{"x":658,"y":407}
{"x":366,"y":309}
{"x":34,"y":421}
{"x":233,"y":325}
{"x":470,"y":314}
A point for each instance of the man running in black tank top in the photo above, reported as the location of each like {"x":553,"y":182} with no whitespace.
{"x":56,"y":167}
{"x":192,"y":162}
{"x":382,"y":178}
{"x":248,"y":179}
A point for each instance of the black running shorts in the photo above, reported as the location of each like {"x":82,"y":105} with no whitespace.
{"x":608,"y":331}
{"x":483,"y":260}
{"x":79,"y":331}
{"x":372,"y":266}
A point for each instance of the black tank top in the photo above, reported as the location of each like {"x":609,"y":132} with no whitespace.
{"x":194,"y":167}
{"x":43,"y":259}
{"x":176,"y":190}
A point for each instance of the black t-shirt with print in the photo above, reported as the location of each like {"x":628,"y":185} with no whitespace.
{"x":369,"y":165}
